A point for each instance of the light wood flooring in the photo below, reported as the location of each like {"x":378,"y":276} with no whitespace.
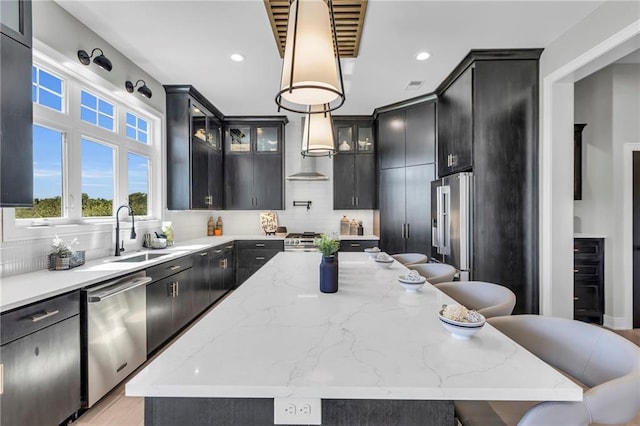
{"x":116,"y":409}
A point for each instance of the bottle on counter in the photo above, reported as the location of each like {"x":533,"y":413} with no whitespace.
{"x":344,"y":226}
{"x":211,"y":227}
{"x":353,"y":227}
{"x":360,"y":228}
{"x":218,"y":230}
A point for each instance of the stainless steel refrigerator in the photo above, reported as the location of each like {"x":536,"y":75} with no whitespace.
{"x":451,"y":221}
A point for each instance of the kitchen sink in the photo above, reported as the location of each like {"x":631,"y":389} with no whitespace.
{"x":142,"y":257}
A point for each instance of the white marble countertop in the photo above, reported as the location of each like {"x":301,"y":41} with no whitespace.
{"x":278,"y":336}
{"x":580,"y":235}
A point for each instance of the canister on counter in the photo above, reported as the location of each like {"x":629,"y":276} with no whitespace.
{"x":344,"y":226}
{"x":353,"y":227}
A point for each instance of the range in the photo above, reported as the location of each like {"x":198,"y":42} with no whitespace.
{"x":305,"y":241}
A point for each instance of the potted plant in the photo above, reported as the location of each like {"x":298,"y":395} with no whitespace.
{"x":328,"y":246}
{"x":62,"y":257}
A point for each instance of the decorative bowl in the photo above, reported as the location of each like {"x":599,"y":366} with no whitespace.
{"x":372,"y":252}
{"x":411,"y":286}
{"x":384,"y":263}
{"x":461,"y":330}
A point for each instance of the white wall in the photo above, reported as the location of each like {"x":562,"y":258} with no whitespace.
{"x":608,"y":101}
{"x":611,"y":27}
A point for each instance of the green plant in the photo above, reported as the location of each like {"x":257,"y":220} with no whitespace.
{"x":327,"y":245}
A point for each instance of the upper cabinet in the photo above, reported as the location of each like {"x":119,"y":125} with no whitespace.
{"x":455,"y":125}
{"x":406,"y":136}
{"x":354,"y":166}
{"x":15,"y":20}
{"x":254,"y":163}
{"x":194,"y":151}
{"x":16,"y":109}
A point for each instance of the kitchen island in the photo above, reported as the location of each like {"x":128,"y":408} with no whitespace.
{"x":373,"y":353}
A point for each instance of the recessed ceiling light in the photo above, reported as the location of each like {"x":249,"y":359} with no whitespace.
{"x":423,"y":56}
{"x":236,"y":57}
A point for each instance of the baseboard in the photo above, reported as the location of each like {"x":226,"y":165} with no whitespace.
{"x":615,"y":323}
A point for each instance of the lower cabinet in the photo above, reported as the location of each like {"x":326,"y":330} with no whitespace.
{"x":212,"y":275}
{"x":40,"y":357}
{"x":588,"y":279}
{"x":357,"y":245}
{"x":252,"y":255}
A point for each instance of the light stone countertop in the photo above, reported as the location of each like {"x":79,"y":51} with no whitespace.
{"x":277,"y":335}
{"x":20,"y":290}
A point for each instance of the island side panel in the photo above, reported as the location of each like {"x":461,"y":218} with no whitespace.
{"x":259,"y":412}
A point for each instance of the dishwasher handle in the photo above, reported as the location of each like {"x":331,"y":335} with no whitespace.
{"x":117,"y":289}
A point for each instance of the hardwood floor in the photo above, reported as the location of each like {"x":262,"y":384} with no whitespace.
{"x":116,"y":409}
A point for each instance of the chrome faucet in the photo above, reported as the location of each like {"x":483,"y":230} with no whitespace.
{"x":119,"y":248}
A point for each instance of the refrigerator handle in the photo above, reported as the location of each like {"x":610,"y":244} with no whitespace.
{"x":443,"y":219}
{"x":408,"y":231}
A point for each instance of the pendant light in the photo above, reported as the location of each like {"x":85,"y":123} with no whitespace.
{"x":311,"y":71}
{"x":317,"y":136}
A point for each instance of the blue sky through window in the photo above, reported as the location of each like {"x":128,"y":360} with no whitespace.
{"x":46,"y":89}
{"x":97,"y":111}
{"x":47,"y":162}
{"x":137,"y":128}
{"x":97,"y":170}
{"x":138,"y":173}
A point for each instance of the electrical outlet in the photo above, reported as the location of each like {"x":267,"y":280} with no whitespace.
{"x":296,"y":411}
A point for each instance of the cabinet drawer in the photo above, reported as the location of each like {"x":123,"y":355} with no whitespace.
{"x":587,"y":271}
{"x":169,"y":268}
{"x":587,"y":248}
{"x":586,"y":299}
{"x":260,"y":244}
{"x":28,"y":319}
{"x":255,"y":257}
{"x":357,"y":245}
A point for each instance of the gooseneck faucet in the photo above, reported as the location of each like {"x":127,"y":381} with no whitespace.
{"x":133,"y":228}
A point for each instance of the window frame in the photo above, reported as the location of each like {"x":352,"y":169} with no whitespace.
{"x":77,"y":78}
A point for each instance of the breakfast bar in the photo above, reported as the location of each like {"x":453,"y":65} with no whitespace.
{"x":372,"y":353}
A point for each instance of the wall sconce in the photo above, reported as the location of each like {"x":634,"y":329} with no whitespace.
{"x":143,"y":90}
{"x":100,"y":60}
{"x":311,"y":71}
{"x":317,"y":137}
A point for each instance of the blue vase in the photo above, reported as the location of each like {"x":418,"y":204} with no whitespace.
{"x":329,"y":274}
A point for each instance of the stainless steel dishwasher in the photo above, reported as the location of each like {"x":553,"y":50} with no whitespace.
{"x":115,"y":333}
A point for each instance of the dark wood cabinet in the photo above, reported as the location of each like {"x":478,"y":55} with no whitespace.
{"x":194,"y":151}
{"x":354,"y":167}
{"x":40,"y":355}
{"x":420,"y":134}
{"x":455,"y":125}
{"x":391,"y":146}
{"x":254,"y":165}
{"x":405,"y":206}
{"x":588,"y":281}
{"x":251,"y":255}
{"x":357,"y":245}
{"x":577,"y":160}
{"x":16,"y":109}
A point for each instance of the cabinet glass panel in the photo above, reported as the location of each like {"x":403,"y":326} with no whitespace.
{"x":239,"y":139}
{"x":266,"y":139}
{"x":365,"y":139}
{"x":10,"y":15}
{"x":198,"y":123}
{"x":345,"y":138}
{"x":213,"y":133}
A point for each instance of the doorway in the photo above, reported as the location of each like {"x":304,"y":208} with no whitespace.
{"x":636,"y":238}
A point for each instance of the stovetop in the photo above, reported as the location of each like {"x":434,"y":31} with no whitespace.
{"x":305,"y":241}
{"x":305,"y":235}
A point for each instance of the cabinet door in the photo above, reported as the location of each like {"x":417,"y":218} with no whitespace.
{"x":421,"y":134}
{"x":267,"y":182}
{"x":178,"y":151}
{"x":217,"y":276}
{"x":455,"y":126}
{"x":16,"y":124}
{"x":15,"y":20}
{"x":200,"y":152}
{"x":267,"y":139}
{"x":42,"y":376}
{"x":202,"y":276}
{"x":239,"y":182}
{"x":159,"y":313}
{"x":183,"y":307}
{"x":229,"y":269}
{"x":216,"y":180}
{"x":392,"y":210}
{"x":418,"y":202}
{"x":391,"y":145}
{"x":365,"y":181}
{"x":344,"y":182}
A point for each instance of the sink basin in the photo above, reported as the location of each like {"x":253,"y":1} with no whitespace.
{"x":142,"y":257}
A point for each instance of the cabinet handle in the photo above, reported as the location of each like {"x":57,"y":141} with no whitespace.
{"x":576,"y":298}
{"x":408,"y":231}
{"x":355,"y":245}
{"x":177,"y":288}
{"x":259,"y":245}
{"x":218,"y":251}
{"x":356,"y":201}
{"x":402,"y":231}
{"x":229,"y":247}
{"x":46,"y":314}
{"x":174,"y":267}
{"x":575,"y":270}
{"x":259,"y":257}
{"x":576,"y":250}
{"x":1,"y":379}
{"x":122,"y":367}
{"x":226,"y":263}
{"x":204,"y":254}
{"x":172,"y":292}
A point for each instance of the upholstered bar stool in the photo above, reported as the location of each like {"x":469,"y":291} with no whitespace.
{"x":606,"y":365}
{"x":410,"y":258}
{"x":491,"y":300}
{"x":435,"y":272}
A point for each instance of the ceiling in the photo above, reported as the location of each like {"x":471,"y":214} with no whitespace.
{"x":189,"y":42}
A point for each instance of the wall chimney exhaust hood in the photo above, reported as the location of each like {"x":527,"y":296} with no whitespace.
{"x":308,"y":171}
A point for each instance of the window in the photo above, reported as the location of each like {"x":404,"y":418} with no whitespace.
{"x":46,"y":89}
{"x":92,"y":151}
{"x":96,"y":111}
{"x":97,"y":179}
{"x":137,"y":128}
{"x":47,"y":174}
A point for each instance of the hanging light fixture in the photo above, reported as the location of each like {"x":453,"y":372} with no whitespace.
{"x":317,"y":136}
{"x":311,"y":72}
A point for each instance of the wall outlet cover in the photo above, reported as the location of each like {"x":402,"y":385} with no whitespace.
{"x":296,"y":411}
